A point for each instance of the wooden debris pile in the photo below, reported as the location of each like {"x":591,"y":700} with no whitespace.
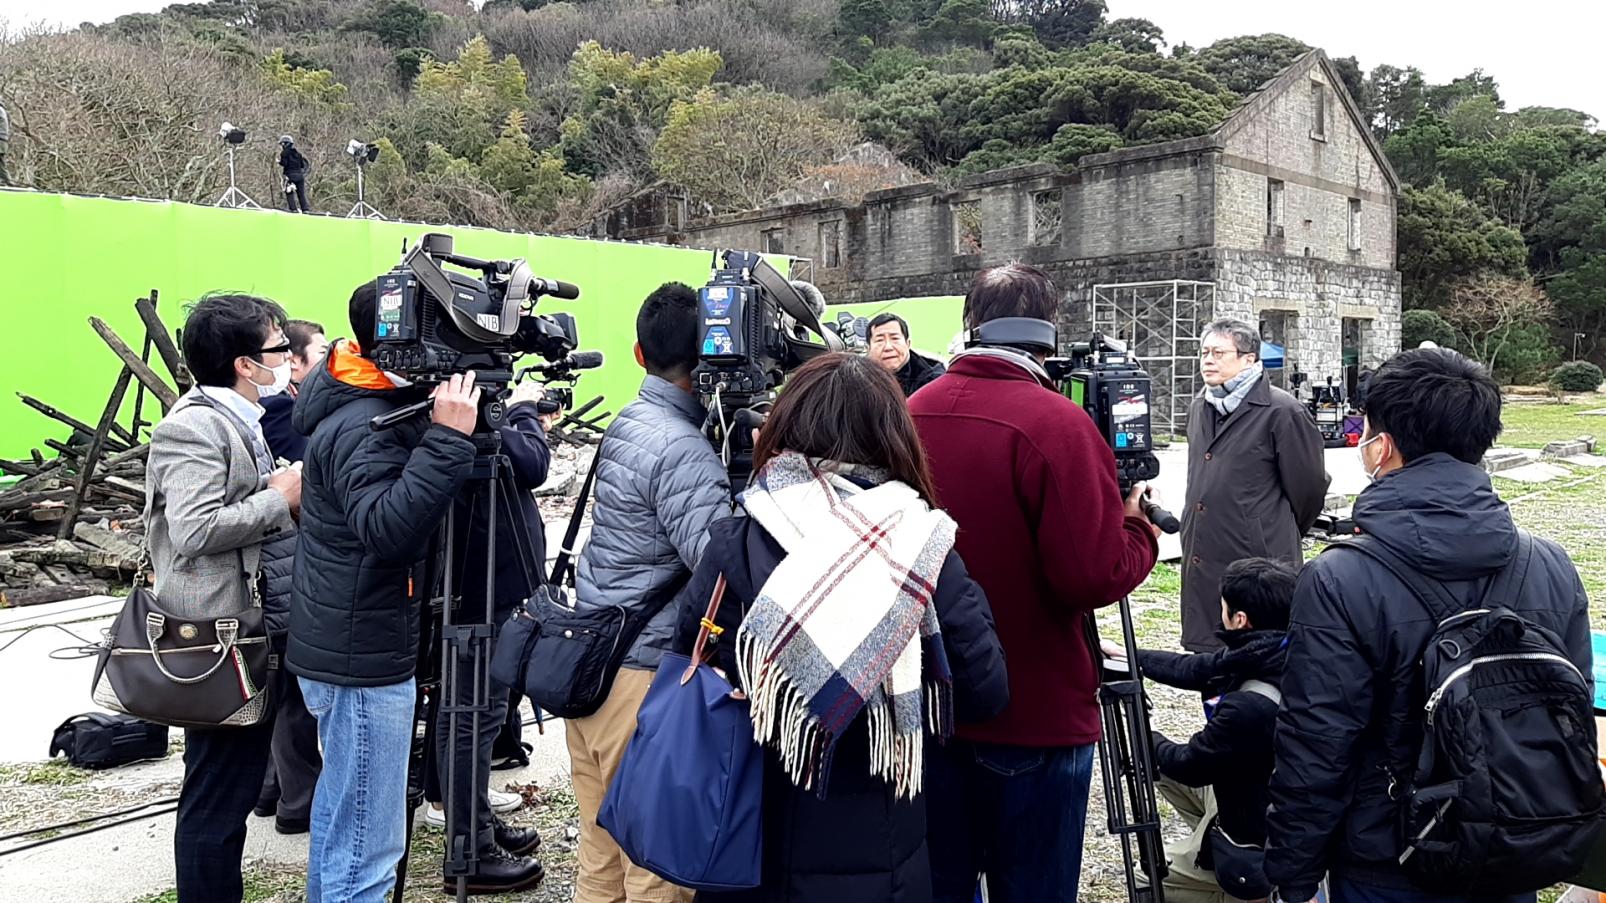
{"x":73,"y":525}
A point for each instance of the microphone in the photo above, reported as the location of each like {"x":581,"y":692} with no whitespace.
{"x":578,"y":360}
{"x":567,"y":291}
{"x":1165,"y":520}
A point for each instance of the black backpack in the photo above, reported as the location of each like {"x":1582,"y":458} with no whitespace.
{"x":1507,"y":794}
{"x":99,"y":740}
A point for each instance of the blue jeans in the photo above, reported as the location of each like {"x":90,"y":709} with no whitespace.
{"x":359,"y":812}
{"x":1345,"y":890}
{"x":1015,"y":813}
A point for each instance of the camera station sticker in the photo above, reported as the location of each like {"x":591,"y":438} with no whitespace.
{"x":390,"y":312}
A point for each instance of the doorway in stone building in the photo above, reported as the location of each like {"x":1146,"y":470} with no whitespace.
{"x":1355,"y":333}
{"x":1281,"y":328}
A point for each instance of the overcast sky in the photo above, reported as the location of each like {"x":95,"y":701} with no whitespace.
{"x":1542,"y":52}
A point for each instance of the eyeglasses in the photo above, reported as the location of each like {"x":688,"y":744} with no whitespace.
{"x":276,"y":349}
{"x":1216,"y":354}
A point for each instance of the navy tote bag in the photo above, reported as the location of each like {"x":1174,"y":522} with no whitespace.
{"x":686,"y":801}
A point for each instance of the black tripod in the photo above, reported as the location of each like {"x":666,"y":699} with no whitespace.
{"x":454,"y":654}
{"x":1126,"y":760}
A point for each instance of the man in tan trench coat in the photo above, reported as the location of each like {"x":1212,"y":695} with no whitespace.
{"x":1256,"y":480}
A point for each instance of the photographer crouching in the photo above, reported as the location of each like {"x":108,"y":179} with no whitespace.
{"x":1043,"y":529}
{"x":372,"y":502}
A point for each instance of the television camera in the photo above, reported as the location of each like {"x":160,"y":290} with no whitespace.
{"x":754,"y":327}
{"x":433,"y":323}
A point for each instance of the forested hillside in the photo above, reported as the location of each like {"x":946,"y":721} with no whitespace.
{"x":534,"y":115}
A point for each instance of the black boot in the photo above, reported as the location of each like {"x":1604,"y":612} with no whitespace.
{"x":517,"y":841}
{"x":500,"y":872}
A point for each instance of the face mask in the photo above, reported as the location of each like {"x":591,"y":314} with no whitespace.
{"x":281,"y":379}
{"x":1360,"y":449}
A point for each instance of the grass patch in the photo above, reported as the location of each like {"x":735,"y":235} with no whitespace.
{"x":55,"y":773}
{"x":1531,"y":424}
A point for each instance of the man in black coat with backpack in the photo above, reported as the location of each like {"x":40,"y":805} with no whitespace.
{"x":1441,"y":626}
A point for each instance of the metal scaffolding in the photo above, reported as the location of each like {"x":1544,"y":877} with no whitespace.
{"x":1160,"y":322}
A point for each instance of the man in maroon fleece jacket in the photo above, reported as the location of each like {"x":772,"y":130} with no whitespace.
{"x":1043,"y":529}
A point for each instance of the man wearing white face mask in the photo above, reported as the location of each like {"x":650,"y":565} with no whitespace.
{"x":1256,"y":480}
{"x":1350,"y":733}
{"x":217,"y":510}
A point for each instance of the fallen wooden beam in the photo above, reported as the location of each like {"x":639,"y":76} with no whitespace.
{"x":86,"y":473}
{"x":39,"y":595}
{"x":108,"y":540}
{"x":162,"y":340}
{"x":141,"y":370}
{"x":11,"y":501}
{"x":121,"y":443}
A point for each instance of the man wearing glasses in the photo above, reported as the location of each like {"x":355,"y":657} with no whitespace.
{"x":217,"y":510}
{"x":1256,"y":480}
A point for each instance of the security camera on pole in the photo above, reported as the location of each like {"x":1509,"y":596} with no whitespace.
{"x":363,"y":153}
{"x":232,"y":138}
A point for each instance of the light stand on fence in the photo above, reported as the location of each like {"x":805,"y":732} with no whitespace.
{"x":364,"y":153}
{"x":233,"y":137}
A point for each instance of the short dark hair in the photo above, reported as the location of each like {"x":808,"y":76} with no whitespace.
{"x":362,"y":310}
{"x":1261,"y":588}
{"x":221,"y":327}
{"x":300,"y":333}
{"x":666,"y":328}
{"x":883,"y":319}
{"x":1434,"y":400}
{"x":845,"y":408}
{"x":1012,"y":290}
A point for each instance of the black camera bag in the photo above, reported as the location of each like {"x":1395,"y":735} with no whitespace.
{"x":98,"y":740}
{"x":564,"y":658}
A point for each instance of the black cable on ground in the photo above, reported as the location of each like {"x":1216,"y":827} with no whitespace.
{"x":170,"y":802}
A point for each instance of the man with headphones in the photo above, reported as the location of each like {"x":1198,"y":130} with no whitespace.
{"x":1043,"y":528}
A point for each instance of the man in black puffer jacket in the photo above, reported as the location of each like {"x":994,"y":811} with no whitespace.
{"x":376,"y":499}
{"x":1350,"y":728}
{"x":1217,"y":779}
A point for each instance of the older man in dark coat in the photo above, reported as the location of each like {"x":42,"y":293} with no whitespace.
{"x":1256,"y":480}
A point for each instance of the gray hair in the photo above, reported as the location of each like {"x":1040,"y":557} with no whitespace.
{"x":1245,"y":338}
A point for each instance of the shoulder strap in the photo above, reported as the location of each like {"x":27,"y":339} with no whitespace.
{"x":1512,"y":576}
{"x":698,"y":653}
{"x":561,"y":567}
{"x":1264,"y":689}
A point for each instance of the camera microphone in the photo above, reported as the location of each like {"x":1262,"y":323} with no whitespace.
{"x":583,"y":360}
{"x":567,"y":291}
{"x":1165,"y":520}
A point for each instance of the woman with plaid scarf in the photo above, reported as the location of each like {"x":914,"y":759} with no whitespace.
{"x":855,"y":631}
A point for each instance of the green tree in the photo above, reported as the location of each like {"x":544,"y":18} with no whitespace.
{"x":1245,"y":63}
{"x":1418,"y":326}
{"x":1415,"y":151}
{"x":1575,"y":233}
{"x":397,"y":23}
{"x":1074,"y":141}
{"x":1131,"y":35}
{"x":738,"y":151}
{"x":316,"y":85}
{"x":1394,"y":97}
{"x":961,"y":22}
{"x":1445,"y":238}
{"x":621,"y":103}
{"x":869,"y":18}
{"x":462,"y":104}
{"x":1057,"y":23}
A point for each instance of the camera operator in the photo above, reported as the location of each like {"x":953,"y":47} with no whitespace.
{"x":889,"y":347}
{"x":1256,"y":477}
{"x":295,"y":168}
{"x":1217,"y":779}
{"x":1042,"y":527}
{"x":373,"y":501}
{"x":659,"y":485}
{"x":503,"y":863}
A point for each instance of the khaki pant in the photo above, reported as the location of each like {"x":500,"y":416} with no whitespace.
{"x":1186,"y":882}
{"x":596,"y":745}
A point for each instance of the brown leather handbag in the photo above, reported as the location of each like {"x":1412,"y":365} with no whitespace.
{"x":186,"y":672}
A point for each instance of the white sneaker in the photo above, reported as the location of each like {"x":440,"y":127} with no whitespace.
{"x":435,"y":818}
{"x":505,"y":802}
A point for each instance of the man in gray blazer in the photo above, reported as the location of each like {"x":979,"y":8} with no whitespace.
{"x":215,"y":510}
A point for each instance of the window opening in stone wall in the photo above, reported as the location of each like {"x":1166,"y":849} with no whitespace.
{"x":1354,"y":224}
{"x":967,"y":228}
{"x":772,"y":241}
{"x":1047,"y":213}
{"x":1318,"y":99}
{"x":1274,"y":208}
{"x":1280,"y":327}
{"x":831,"y":244}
